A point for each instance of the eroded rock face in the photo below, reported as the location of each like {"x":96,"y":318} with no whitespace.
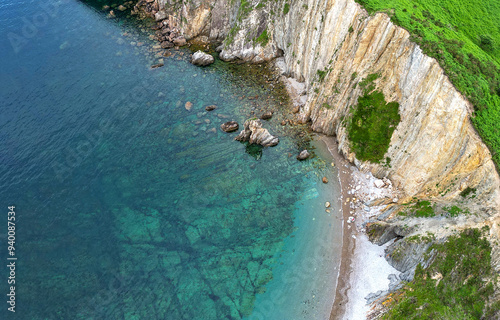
{"x":435,"y":147}
{"x":254,"y":133}
{"x":201,"y":58}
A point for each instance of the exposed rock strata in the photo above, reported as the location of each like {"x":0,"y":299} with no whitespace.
{"x":435,"y":152}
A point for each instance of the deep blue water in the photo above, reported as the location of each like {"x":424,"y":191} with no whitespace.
{"x":129,"y":206}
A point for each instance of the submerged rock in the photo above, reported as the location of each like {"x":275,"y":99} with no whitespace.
{"x":325,"y":180}
{"x":188,"y":106}
{"x":159,"y":65}
{"x":229,"y":126}
{"x":303,"y":155}
{"x":166,"y":45}
{"x":201,"y":58}
{"x":254,"y":133}
{"x":267,"y":115}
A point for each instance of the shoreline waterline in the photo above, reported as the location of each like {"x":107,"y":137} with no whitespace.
{"x":348,"y":241}
{"x":363,"y":268}
{"x":304,"y":278}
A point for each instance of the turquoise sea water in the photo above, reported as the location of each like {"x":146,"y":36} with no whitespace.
{"x":129,"y":206}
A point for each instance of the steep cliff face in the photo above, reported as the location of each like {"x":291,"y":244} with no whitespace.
{"x":435,"y":152}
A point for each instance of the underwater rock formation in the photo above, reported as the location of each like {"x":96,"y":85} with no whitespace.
{"x":229,"y":126}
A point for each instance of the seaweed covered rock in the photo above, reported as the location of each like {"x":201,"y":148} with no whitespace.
{"x":229,"y":126}
{"x":254,"y":133}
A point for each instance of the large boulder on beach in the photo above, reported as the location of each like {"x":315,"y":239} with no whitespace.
{"x":254,"y":133}
{"x":229,"y":126}
{"x":201,"y":58}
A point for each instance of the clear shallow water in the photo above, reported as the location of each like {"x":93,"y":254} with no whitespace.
{"x":129,"y":206}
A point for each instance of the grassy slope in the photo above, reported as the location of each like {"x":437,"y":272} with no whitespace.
{"x":451,"y":32}
{"x":455,"y":286}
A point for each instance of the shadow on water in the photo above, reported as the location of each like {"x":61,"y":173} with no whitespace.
{"x":254,"y":150}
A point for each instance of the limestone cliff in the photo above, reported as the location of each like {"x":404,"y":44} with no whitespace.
{"x":435,"y":152}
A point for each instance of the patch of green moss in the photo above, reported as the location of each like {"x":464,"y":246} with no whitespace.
{"x":373,"y":122}
{"x":245,"y":9}
{"x":230,"y":37}
{"x":453,"y":211}
{"x":423,"y":209}
{"x":321,"y":75}
{"x":467,"y":191}
{"x":372,"y":125}
{"x":427,"y":238}
{"x":368,"y":84}
{"x":261,"y":5}
{"x":263,"y":38}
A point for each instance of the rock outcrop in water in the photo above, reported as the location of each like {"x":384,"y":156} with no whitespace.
{"x":303,"y":155}
{"x":255,"y":134}
{"x":229,"y":126}
{"x":202,"y":59}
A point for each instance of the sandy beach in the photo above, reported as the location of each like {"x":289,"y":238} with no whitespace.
{"x":363,"y":268}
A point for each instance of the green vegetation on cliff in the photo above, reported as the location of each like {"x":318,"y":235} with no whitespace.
{"x":455,"y":286}
{"x":263,"y":38}
{"x":373,"y":122}
{"x":464,"y":36}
